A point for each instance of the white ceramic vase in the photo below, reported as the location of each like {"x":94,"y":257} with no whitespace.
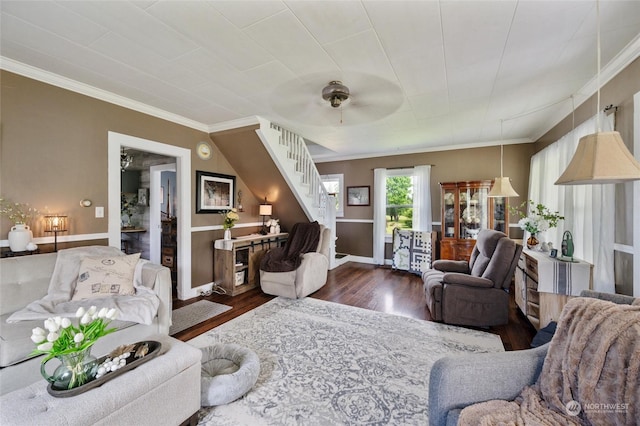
{"x":227,"y":234}
{"x":19,"y":237}
{"x":277,"y":229}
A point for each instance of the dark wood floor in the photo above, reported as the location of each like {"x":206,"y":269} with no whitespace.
{"x":364,"y":286}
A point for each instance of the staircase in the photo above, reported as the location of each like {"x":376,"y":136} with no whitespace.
{"x":290,"y":154}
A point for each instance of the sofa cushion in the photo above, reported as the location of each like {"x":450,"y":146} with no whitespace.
{"x":101,"y":276}
{"x":15,"y":339}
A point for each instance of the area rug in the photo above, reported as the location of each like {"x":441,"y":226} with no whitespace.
{"x":323,"y":363}
{"x":195,"y":313}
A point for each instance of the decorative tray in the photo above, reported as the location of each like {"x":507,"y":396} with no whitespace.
{"x":131,"y":363}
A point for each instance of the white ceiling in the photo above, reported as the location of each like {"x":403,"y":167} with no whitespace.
{"x":424,"y":75}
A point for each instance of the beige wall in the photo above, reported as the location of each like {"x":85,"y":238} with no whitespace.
{"x":54,"y":154}
{"x":618,"y":92}
{"x":448,"y":166}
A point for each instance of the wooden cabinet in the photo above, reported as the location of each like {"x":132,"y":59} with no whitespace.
{"x":236,"y":262}
{"x":543,"y":285}
{"x":466,"y":209}
{"x":169,"y":250}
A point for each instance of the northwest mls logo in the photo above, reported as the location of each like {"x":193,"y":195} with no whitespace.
{"x":573,"y":408}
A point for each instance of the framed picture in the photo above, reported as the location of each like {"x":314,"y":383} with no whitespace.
{"x":143,"y":196}
{"x":358,"y":195}
{"x":214,"y":192}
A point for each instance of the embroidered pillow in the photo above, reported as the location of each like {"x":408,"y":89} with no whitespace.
{"x":105,"y":276}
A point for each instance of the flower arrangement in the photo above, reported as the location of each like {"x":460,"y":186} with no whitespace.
{"x":230,"y":218}
{"x":17,"y":212}
{"x":72,"y":344}
{"x":272,"y":222}
{"x":60,"y":337}
{"x":538,"y":220}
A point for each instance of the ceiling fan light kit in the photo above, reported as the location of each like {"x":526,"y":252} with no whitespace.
{"x":335,"y":93}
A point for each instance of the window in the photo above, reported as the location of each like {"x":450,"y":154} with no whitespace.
{"x":401,"y":197}
{"x":399,"y":209}
{"x":334,"y":184}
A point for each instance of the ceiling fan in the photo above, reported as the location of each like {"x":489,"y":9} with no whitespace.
{"x":347,"y":98}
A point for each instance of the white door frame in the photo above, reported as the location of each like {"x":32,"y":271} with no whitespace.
{"x":183,"y":188}
{"x":155,"y":226}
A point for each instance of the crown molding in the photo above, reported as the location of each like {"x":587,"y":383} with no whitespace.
{"x":93,"y":92}
{"x":234,"y":124}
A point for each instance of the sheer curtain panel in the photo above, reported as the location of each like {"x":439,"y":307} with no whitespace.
{"x":589,"y":210}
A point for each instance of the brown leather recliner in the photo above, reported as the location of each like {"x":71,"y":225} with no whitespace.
{"x":474,"y":293}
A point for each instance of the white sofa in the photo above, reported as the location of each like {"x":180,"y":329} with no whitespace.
{"x":26,"y":279}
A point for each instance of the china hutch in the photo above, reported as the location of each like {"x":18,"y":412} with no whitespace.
{"x":466,"y":209}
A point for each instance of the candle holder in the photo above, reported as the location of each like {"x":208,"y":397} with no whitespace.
{"x":55,"y":223}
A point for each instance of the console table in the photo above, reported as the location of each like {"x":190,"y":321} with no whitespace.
{"x":236,"y":262}
{"x":543,"y":285}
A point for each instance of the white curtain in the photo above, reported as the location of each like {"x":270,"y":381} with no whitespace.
{"x":379,"y":214}
{"x":589,"y":210}
{"x":422,"y":198}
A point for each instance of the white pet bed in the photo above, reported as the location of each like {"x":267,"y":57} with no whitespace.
{"x":228,"y":372}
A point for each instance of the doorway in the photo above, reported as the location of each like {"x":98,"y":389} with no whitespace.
{"x":116,"y":141}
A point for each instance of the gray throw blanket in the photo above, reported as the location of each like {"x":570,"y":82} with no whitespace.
{"x":304,"y":237}
{"x":141,"y":307}
{"x":593,"y":359}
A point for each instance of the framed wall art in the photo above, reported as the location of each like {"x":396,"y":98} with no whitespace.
{"x":214,"y":192}
{"x":358,"y":195}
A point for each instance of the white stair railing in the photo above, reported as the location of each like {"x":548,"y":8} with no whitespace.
{"x":290,"y":154}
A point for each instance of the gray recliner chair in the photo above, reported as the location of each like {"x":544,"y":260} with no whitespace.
{"x":474,"y":293}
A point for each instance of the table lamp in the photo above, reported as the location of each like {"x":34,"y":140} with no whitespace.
{"x":265,"y":210}
{"x":55,"y":223}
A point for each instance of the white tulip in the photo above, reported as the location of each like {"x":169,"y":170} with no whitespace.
{"x":58,"y":321}
{"x":37,"y":338}
{"x":66,"y":322}
{"x":38,"y":332}
{"x":50,"y":324}
{"x":79,"y":337}
{"x":112,"y":314}
{"x":45,"y":346}
{"x":103,"y":313}
{"x":52,"y":337}
{"x":86,"y":319}
{"x":92,"y":310}
{"x":80,"y":312}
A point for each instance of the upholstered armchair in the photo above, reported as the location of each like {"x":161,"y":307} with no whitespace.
{"x":309,"y":275}
{"x":458,"y":381}
{"x":474,"y":293}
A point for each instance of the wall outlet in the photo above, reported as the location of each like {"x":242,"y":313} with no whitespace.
{"x":99,"y":212}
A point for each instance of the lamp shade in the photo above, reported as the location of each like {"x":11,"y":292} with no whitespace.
{"x":55,"y":223}
{"x":502,"y":188}
{"x":265,"y":210}
{"x":600,"y":158}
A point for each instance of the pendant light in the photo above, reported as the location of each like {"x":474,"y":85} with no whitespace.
{"x":502,"y":185}
{"x":601,"y":157}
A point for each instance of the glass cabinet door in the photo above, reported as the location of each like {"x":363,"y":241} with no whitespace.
{"x":473,"y":212}
{"x":500,"y":215}
{"x":449,"y":221}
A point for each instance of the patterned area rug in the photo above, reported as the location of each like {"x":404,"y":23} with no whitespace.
{"x":195,"y":313}
{"x":323,"y":363}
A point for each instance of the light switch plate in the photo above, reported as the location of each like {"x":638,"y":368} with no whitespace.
{"x":99,"y":212}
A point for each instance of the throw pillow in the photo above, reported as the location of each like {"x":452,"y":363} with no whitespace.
{"x":105,"y":276}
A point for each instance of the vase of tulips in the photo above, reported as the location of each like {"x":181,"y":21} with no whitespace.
{"x":71,"y":345}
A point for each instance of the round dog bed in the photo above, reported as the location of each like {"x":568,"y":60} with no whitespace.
{"x":228,"y":372}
